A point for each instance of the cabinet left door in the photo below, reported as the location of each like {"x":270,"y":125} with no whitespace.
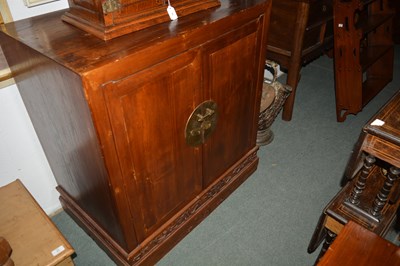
{"x":148,"y":112}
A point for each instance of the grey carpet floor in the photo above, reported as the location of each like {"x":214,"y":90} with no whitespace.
{"x":270,"y":218}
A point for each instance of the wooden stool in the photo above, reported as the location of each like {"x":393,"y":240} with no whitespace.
{"x":358,"y":246}
{"x":371,"y":197}
{"x":33,"y":237}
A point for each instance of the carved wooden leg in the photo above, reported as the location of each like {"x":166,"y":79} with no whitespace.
{"x":382,"y":196}
{"x":362,"y":179}
{"x":330,"y":237}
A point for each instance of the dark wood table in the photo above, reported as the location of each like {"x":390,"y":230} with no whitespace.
{"x":380,"y":136}
{"x":371,"y":196}
{"x":358,"y":246}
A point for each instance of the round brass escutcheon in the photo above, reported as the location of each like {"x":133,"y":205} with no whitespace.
{"x":201,"y":123}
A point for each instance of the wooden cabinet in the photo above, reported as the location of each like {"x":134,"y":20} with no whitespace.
{"x":113,"y":116}
{"x":301,"y":31}
{"x":363,"y":52}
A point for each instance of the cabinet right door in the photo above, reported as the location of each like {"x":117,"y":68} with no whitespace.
{"x":231,"y":66}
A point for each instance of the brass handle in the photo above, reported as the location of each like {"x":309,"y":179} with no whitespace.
{"x":209,"y":112}
{"x":201,"y":123}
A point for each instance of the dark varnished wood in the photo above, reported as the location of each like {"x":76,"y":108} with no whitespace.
{"x":300,"y":32}
{"x":358,"y":246}
{"x":364,"y":53}
{"x":340,"y":210}
{"x":396,"y":21}
{"x":383,"y":141}
{"x":111,"y":117}
{"x":371,"y":196}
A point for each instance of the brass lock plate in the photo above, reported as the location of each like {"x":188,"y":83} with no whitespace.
{"x":201,"y":123}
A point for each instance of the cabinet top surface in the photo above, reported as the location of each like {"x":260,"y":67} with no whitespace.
{"x":82,"y":52}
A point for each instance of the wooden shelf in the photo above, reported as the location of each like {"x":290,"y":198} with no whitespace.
{"x":364,"y":2}
{"x":373,"y":22}
{"x":369,"y":55}
{"x":371,"y":87}
{"x":364,"y":52}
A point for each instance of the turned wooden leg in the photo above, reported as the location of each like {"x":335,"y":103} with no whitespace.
{"x":319,"y":234}
{"x":330,"y":237}
{"x":362,"y":179}
{"x":383,"y":194}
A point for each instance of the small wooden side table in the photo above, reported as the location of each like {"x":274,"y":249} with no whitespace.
{"x":358,"y":246}
{"x":371,"y":198}
{"x":33,"y":237}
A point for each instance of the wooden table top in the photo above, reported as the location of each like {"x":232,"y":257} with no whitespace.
{"x":356,"y":245}
{"x":386,"y":123}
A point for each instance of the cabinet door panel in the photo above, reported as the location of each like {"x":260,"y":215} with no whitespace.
{"x":232,"y":62}
{"x":149,"y":111}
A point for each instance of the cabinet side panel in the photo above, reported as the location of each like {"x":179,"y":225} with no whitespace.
{"x":232,"y":64}
{"x":56,"y":105}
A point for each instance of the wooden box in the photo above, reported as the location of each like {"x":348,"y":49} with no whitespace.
{"x":113,"y":116}
{"x":33,"y":237}
{"x":108,"y":19}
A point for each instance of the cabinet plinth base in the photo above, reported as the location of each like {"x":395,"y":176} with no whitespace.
{"x":164,"y":239}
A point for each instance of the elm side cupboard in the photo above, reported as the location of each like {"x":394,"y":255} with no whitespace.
{"x":148,"y":132}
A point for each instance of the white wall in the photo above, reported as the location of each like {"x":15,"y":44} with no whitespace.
{"x":21,"y":155}
{"x":20,"y":11}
